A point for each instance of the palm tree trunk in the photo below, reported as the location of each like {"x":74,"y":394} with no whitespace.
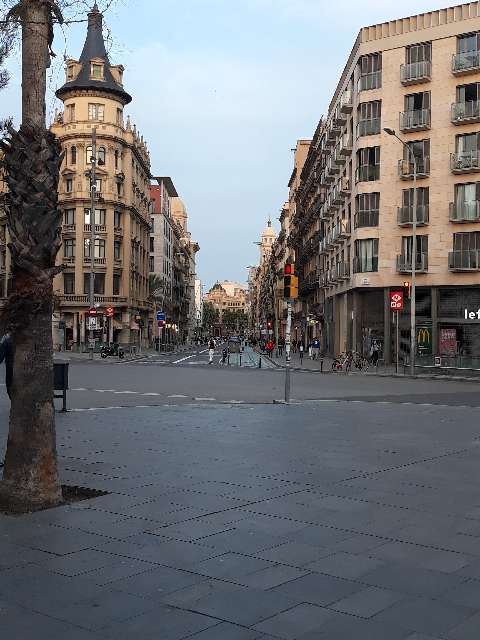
{"x":32,"y":161}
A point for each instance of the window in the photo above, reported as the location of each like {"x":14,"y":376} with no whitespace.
{"x":69,"y":185}
{"x":367,"y":207}
{"x":96,"y":112}
{"x":369,"y":118}
{"x":370,"y":72}
{"x":98,"y":284}
{"x":468,"y":43}
{"x":69,"y":248}
{"x":467,"y":145}
{"x":116,"y":284}
{"x":366,"y":255}
{"x":98,"y":185}
{"x":152,"y":224}
{"x":100,"y":216}
{"x":73,"y":155}
{"x":68,"y":283}
{"x":69,"y":216}
{"x":421,"y":151}
{"x":70,"y":112}
{"x":116,"y":158}
{"x":101,"y":156}
{"x":151,"y":264}
{"x":96,"y":71}
{"x":417,"y":101}
{"x":119,"y":188}
{"x":467,"y":203}
{"x":120,"y":117}
{"x":418,"y":53}
{"x":117,"y":219}
{"x":421,"y":253}
{"x":117,"y":250}
{"x":423,"y":196}
{"x":152,"y":246}
{"x":468,"y":92}
{"x":368,"y":164}
{"x":466,"y":241}
{"x":70,"y":71}
{"x":99,"y":248}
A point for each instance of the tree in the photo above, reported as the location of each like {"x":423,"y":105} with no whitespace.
{"x":32,"y":158}
{"x":211,"y":316}
{"x":234,"y":319}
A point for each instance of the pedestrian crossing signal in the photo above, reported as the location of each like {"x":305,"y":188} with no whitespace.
{"x":290,"y":282}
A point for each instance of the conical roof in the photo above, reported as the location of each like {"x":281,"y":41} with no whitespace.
{"x":93,"y":49}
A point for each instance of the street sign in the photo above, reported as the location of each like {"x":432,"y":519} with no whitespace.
{"x":92,"y":312}
{"x":109,"y":312}
{"x":92,"y":324}
{"x":396,"y":300}
{"x":161,"y":316}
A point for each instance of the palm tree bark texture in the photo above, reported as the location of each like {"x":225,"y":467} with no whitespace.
{"x":32,"y":159}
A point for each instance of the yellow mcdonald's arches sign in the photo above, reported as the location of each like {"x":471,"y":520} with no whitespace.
{"x":424,"y":336}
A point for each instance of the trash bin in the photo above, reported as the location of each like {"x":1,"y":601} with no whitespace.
{"x":60,"y":381}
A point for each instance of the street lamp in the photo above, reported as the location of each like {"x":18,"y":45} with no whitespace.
{"x":391,"y":132}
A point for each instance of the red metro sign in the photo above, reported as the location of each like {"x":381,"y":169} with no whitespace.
{"x":396,"y":300}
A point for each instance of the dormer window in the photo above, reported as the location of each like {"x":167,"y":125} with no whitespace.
{"x":70,"y":72}
{"x":96,"y":71}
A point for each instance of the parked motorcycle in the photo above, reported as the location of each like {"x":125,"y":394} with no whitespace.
{"x":112,"y":350}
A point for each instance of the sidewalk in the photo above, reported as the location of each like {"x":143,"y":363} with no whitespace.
{"x":74,"y":356}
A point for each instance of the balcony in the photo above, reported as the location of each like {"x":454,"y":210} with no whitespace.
{"x":367,"y":173}
{"x":118,"y":231}
{"x":405,"y":215}
{"x":98,"y":261}
{"x":345,"y":188}
{"x":84,"y":300}
{"x":365,"y":265}
{"x":346,"y":145}
{"x":416,"y":72}
{"x":465,"y":211}
{"x":343,"y":270}
{"x":404,"y":263}
{"x":338,"y":158}
{"x":99,"y":228}
{"x":467,"y":260}
{"x":346,"y":102}
{"x":370,"y":81}
{"x":68,"y":229}
{"x":340,"y":117}
{"x":366,"y":218}
{"x":465,"y":162}
{"x":368,"y":127}
{"x":337,"y":195}
{"x":69,"y":260}
{"x":415,"y":120}
{"x":465,"y":112}
{"x":334,"y":131}
{"x":405,"y":168}
{"x":465,"y":63}
{"x":341,"y":231}
{"x":332,"y":276}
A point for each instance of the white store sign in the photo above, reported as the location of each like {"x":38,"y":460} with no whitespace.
{"x":472,"y":315}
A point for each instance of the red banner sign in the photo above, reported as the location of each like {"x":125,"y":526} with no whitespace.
{"x":396,"y":300}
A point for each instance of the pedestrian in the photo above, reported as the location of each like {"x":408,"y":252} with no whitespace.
{"x":374,"y":353}
{"x":281,"y":344}
{"x":301,"y":350}
{"x":270,"y":347}
{"x":310,"y":350}
{"x":211,"y":350}
{"x":294,"y":346}
{"x":316,"y":348}
{"x":6,"y":353}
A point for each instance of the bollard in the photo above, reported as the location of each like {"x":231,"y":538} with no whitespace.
{"x":240,"y":359}
{"x":321,"y":365}
{"x":260,"y":362}
{"x":228,"y":359}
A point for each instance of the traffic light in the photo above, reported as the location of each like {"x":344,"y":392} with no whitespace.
{"x":408,"y":287}
{"x":290,"y":282}
{"x":269,"y":324}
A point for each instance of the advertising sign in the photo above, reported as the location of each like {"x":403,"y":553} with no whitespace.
{"x":92,"y":324}
{"x":448,"y":342}
{"x":424,"y":341}
{"x":109,"y":312}
{"x":396,"y":300}
{"x":161,"y":316}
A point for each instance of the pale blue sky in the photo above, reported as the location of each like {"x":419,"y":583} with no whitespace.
{"x":222,"y":90}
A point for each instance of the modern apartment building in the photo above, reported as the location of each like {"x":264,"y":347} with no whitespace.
{"x":420,"y":76}
{"x":94,"y":97}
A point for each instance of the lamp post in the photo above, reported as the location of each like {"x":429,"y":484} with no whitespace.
{"x":391,"y":132}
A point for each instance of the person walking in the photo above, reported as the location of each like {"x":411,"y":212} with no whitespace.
{"x":375,"y":353}
{"x":316,"y":348}
{"x":294,"y":346}
{"x":6,"y":353}
{"x":301,"y":350}
{"x":211,"y":350}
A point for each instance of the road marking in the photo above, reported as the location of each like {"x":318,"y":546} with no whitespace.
{"x":177,"y":395}
{"x":132,"y":392}
{"x":153,"y":393}
{"x":183,"y":359}
{"x":205,"y":399}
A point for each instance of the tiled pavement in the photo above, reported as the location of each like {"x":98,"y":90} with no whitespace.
{"x":338,"y":521}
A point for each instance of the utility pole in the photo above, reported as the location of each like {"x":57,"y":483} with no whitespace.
{"x":93,"y":201}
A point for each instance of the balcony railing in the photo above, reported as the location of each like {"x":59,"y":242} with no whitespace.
{"x":99,"y":261}
{"x":367,"y":173}
{"x":346,"y":145}
{"x":68,"y":228}
{"x":346,"y":102}
{"x":68,"y":259}
{"x":467,"y":62}
{"x":99,"y":228}
{"x":74,"y":299}
{"x":467,"y":260}
{"x":415,"y":120}
{"x":405,"y":215}
{"x":365,"y":265}
{"x":343,"y":270}
{"x":405,"y":168}
{"x":465,"y":211}
{"x":368,"y":127}
{"x":369,"y":81}
{"x":366,"y":218}
{"x":345,"y":187}
{"x":463,"y":112}
{"x":118,"y":231}
{"x":465,"y":162}
{"x":416,"y":72}
{"x":404,"y":263}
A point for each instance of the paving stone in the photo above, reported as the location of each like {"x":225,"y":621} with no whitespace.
{"x":318,"y":589}
{"x":271,"y":577}
{"x":188,"y":596}
{"x":425,"y":615}
{"x":420,"y":556}
{"x":79,"y":563}
{"x":292,"y":553}
{"x":344,"y":565}
{"x":342,"y":627}
{"x":466,"y":594}
{"x":292,"y":623}
{"x":247,"y":607}
{"x":368,"y":602}
{"x":467,"y":630}
{"x":226,"y":631}
{"x":230,"y":565}
{"x":410,"y":580}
